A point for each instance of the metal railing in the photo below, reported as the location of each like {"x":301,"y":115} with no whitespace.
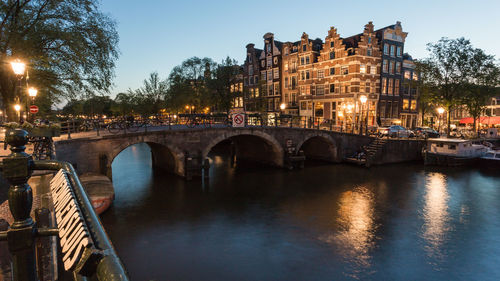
{"x":22,"y":234}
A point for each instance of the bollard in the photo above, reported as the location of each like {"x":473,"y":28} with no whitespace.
{"x":69,"y":129}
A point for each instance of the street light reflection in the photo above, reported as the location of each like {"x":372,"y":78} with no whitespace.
{"x":435,"y":213}
{"x":356,"y":236}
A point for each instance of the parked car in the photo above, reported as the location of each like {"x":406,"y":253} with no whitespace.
{"x":395,"y":131}
{"x":426,"y":132}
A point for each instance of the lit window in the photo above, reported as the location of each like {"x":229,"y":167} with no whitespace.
{"x":321,"y":74}
{"x":373,"y":70}
{"x":362,"y":69}
{"x":413,"y":105}
{"x":407,"y":74}
{"x":406,"y":104}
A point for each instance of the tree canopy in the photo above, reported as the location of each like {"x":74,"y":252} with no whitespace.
{"x":69,"y":46}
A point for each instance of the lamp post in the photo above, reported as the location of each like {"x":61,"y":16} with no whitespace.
{"x":18,"y":67}
{"x":363,"y":100}
{"x":32,"y":92}
{"x":341,"y":117}
{"x":440,"y":110}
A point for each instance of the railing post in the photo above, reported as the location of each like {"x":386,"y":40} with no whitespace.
{"x":21,"y":235}
{"x":68,"y":126}
{"x":97,"y":127}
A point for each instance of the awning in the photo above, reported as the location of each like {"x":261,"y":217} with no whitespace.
{"x":486,"y":120}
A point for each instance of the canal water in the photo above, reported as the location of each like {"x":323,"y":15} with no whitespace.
{"x":325,"y":222}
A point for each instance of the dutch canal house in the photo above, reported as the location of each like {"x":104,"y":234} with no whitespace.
{"x":325,"y":80}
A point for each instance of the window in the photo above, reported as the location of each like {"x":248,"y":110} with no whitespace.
{"x":406,"y":104}
{"x":302,"y":75}
{"x":256,"y":79}
{"x":413,"y":105}
{"x":320,"y":90}
{"x":250,"y":70}
{"x":303,"y":105}
{"x":388,"y":109}
{"x":373,"y":70}
{"x":346,"y":90}
{"x":321,"y":73}
{"x":334,"y":111}
{"x":367,"y":87}
{"x":332,"y":55}
{"x":263,"y":74}
{"x":244,"y":80}
{"x":386,"y":49}
{"x":398,"y":67}
{"x":390,"y":87}
{"x":307,"y":60}
{"x":395,"y":109}
{"x":407,"y":74}
{"x":302,"y":60}
{"x":362,"y":68}
{"x":308,"y":75}
{"x":392,"y":50}
{"x":384,"y":86}
{"x":263,"y":63}
{"x":369,"y":52}
{"x":369,"y":40}
{"x":286,"y":66}
{"x":270,"y":90}
{"x":276,"y":73}
{"x":250,"y":81}
{"x":269,"y":75}
{"x":382,"y":109}
{"x":396,"y":87}
{"x":249,"y":57}
{"x":391,"y":67}
{"x":256,"y":92}
{"x":344,"y":70}
{"x":385,"y":67}
{"x":415,"y":76}
{"x":268,"y":48}
{"x":332,"y":44}
{"x":332,"y":88}
{"x":332,"y":71}
{"x":269,"y":62}
{"x":294,"y":82}
{"x":398,"y":52}
{"x":304,"y":48}
{"x":286,"y":50}
{"x":277,"y":88}
{"x":286,"y":82}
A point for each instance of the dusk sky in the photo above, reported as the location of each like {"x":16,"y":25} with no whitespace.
{"x":157,"y":35}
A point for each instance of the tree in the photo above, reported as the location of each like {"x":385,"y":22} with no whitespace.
{"x":70,"y":47}
{"x":426,"y":98}
{"x":225,"y":75}
{"x":481,"y":85}
{"x":449,"y":66}
{"x":149,"y":98}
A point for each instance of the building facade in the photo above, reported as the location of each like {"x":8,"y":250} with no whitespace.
{"x":350,"y":81}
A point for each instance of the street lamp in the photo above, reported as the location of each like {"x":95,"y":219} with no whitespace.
{"x":18,"y":67}
{"x":363,"y":100}
{"x":32,"y":92}
{"x":282,"y":106}
{"x":341,"y":117}
{"x":440,"y":110}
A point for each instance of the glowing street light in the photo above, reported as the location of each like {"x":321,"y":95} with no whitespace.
{"x":17,"y":108}
{"x":282,"y":106}
{"x":363,"y":100}
{"x":440,"y":110}
{"x":18,"y":67}
{"x":32,"y":92}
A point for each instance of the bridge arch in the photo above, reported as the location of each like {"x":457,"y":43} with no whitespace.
{"x":251,"y":145}
{"x":163,"y":156}
{"x":320,"y":147}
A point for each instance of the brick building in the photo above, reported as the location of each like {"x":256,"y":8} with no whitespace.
{"x":325,"y":80}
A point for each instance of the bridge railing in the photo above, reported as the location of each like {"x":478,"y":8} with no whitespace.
{"x":201,"y":121}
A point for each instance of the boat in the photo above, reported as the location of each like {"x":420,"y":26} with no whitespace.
{"x":491,"y":158}
{"x":452,"y":152}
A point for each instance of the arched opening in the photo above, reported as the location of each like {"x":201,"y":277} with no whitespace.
{"x":320,"y":148}
{"x":140,"y":156}
{"x":245,"y":149}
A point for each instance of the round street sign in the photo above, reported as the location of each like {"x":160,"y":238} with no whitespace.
{"x":33,"y":109}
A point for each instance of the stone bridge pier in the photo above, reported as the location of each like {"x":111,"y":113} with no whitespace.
{"x":183,"y":152}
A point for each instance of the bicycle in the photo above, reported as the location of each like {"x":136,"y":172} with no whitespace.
{"x":117,"y":126}
{"x":196,"y":121}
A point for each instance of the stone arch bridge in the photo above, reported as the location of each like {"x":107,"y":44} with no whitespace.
{"x":183,"y":152}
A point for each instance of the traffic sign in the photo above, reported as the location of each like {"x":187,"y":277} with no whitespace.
{"x":33,"y":109}
{"x":238,"y":120}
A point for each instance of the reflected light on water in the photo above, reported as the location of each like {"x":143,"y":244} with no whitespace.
{"x":357,"y":225}
{"x":435,"y":213}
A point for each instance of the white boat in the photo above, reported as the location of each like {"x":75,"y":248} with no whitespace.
{"x":491,"y":158}
{"x":452,"y":152}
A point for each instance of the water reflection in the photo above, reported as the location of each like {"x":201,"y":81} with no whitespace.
{"x":435,"y":213}
{"x":356,"y":233}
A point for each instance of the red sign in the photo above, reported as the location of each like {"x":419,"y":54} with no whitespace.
{"x":33,"y":109}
